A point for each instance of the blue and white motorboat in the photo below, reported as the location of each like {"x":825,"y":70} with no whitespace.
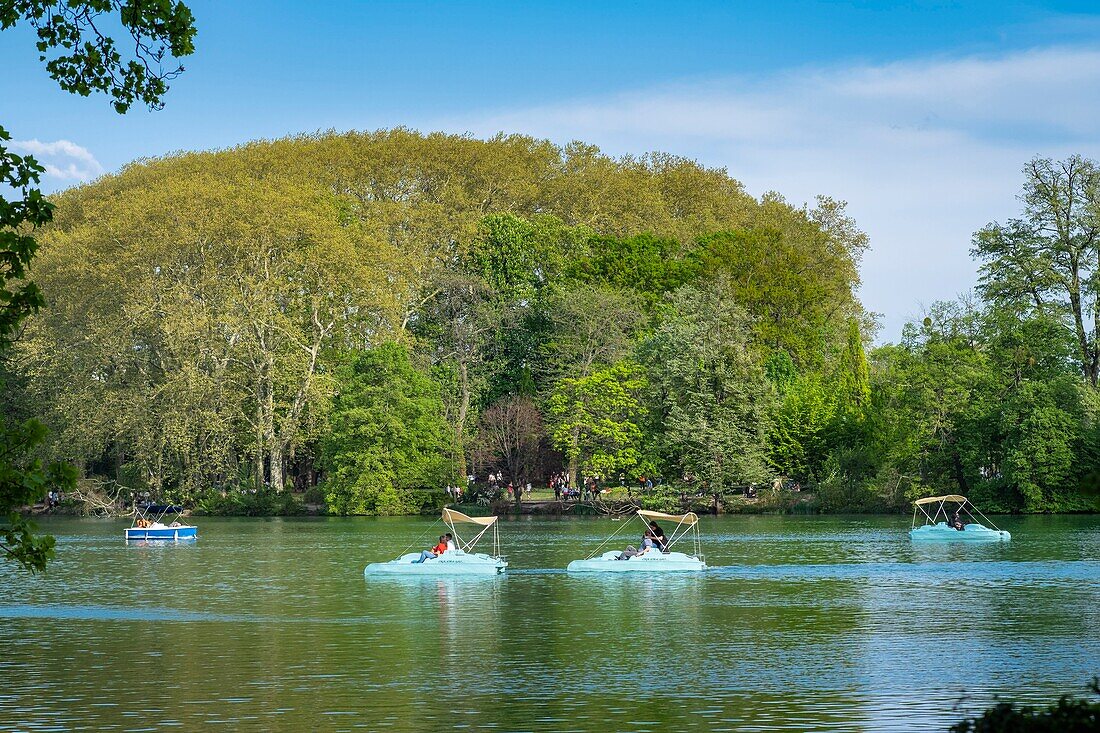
{"x":459,"y":561}
{"x":653,"y":560}
{"x":151,"y":522}
{"x":939,"y":527}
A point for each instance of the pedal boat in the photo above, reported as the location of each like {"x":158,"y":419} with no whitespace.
{"x":654,"y":560}
{"x":460,"y":561}
{"x":937,"y":528}
{"x":150,"y":524}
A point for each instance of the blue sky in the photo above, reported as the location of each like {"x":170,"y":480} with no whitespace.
{"x":919,"y":114}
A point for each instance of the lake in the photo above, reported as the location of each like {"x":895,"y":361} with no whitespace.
{"x":804,"y":623}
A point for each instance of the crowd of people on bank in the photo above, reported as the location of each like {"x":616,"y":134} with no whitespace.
{"x":560,"y":484}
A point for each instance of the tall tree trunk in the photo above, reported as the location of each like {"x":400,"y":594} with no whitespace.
{"x":284,"y":437}
{"x":463,"y":412}
{"x":258,"y":465}
{"x":574,"y":463}
{"x":1088,"y":361}
{"x":278,"y":480}
{"x":272,"y":436}
{"x":960,"y":475}
{"x":1094,"y":346}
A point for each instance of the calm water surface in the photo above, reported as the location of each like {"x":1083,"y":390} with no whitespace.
{"x":805,"y":623}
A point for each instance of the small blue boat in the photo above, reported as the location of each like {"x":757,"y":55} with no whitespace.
{"x":149,"y":524}
{"x":652,"y":560}
{"x":454,"y":562}
{"x":939,"y":527}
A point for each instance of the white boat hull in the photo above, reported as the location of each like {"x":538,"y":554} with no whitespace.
{"x":972,"y":533}
{"x":455,"y":562}
{"x":652,"y":561}
{"x":162,"y":532}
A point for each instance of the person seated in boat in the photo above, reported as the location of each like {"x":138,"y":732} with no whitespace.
{"x":957,"y":522}
{"x":436,"y":551}
{"x":632,"y":551}
{"x":658,"y":536}
{"x":143,"y":523}
{"x":450,"y":542}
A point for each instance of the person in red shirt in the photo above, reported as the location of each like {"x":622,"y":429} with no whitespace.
{"x":436,"y":551}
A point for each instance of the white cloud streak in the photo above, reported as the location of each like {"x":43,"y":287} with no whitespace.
{"x":925,"y":151}
{"x":62,"y":159}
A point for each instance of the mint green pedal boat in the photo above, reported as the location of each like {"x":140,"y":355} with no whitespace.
{"x":459,"y":561}
{"x":954,"y":528}
{"x":653,"y":560}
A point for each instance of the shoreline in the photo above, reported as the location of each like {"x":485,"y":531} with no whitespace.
{"x":551,"y":508}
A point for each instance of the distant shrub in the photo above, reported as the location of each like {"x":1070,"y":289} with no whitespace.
{"x":249,"y":504}
{"x":661,"y":500}
{"x":839,"y":492}
{"x":313,"y":495}
{"x":428,"y":502}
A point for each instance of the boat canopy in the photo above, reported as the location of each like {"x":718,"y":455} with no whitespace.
{"x":163,"y":509}
{"x":933,"y":517}
{"x":685,"y":524}
{"x":450,"y":516}
{"x":152,"y":513}
{"x":934,"y":499}
{"x":688,"y":519}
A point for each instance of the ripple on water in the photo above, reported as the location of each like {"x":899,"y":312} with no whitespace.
{"x":804,"y":624}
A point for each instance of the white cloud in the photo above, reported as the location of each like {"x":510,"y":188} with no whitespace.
{"x":62,"y":159}
{"x":925,"y":151}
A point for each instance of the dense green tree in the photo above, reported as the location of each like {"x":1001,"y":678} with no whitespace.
{"x":516,"y":257}
{"x":794,"y":271}
{"x":590,"y":331}
{"x":200,"y":297}
{"x":985,"y":403}
{"x":1048,"y":262}
{"x":802,"y":428}
{"x":1032,"y":417}
{"x":82,"y":56}
{"x":456,"y":326}
{"x":589,"y":326}
{"x":929,"y":383}
{"x":387,"y":435}
{"x":195,"y":321}
{"x":853,"y":375}
{"x":644,"y":264}
{"x":596,"y":419}
{"x":519,"y":261}
{"x":711,"y":398}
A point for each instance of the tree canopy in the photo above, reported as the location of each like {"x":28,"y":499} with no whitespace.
{"x":201,"y":300}
{"x":82,"y":56}
{"x":550,"y":309}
